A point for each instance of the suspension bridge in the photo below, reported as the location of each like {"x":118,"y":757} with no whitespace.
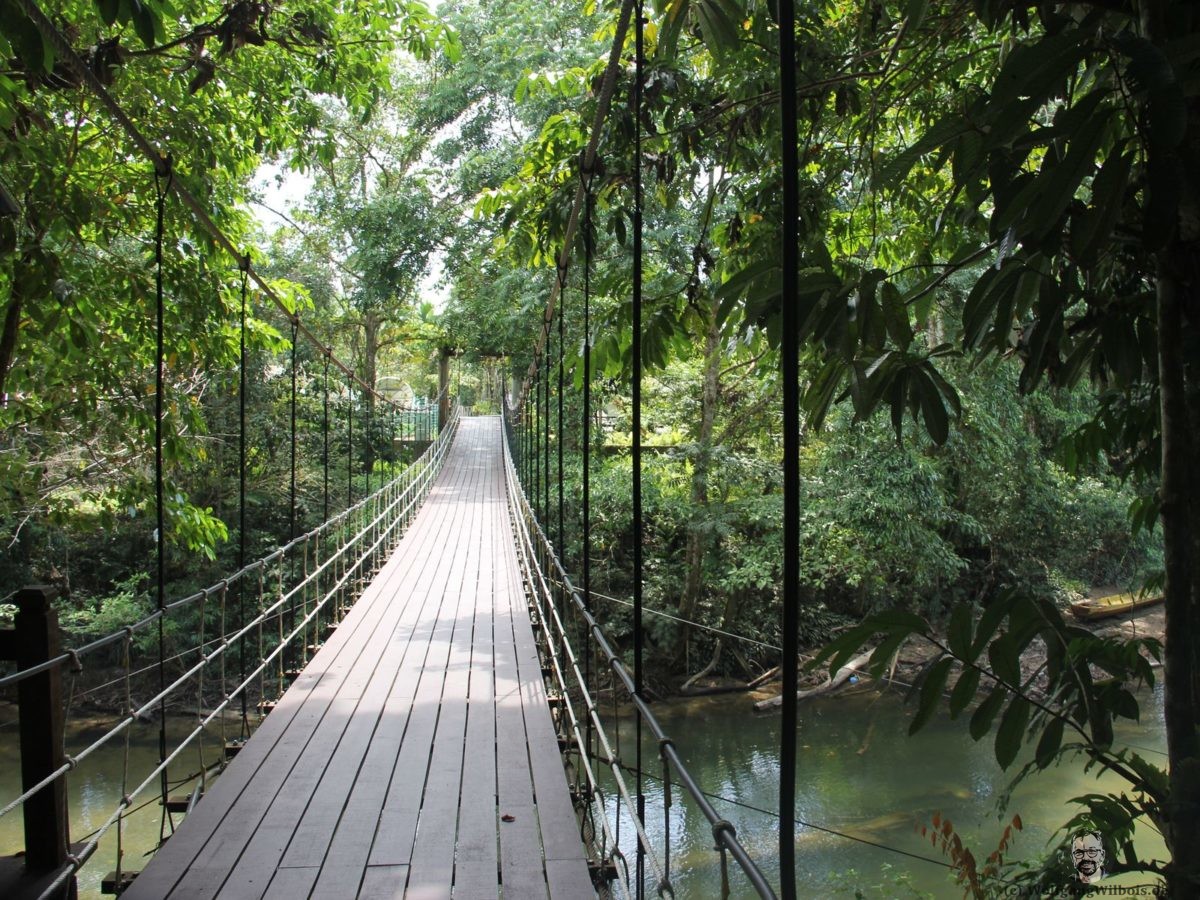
{"x":443,"y":741}
{"x":416,"y":751}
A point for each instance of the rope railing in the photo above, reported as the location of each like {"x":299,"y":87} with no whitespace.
{"x":544,"y":572}
{"x":361,"y":535}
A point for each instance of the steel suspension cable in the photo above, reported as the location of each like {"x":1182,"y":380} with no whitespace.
{"x":790,"y":372}
{"x":559,"y":441}
{"x":830,"y":831}
{"x":546,"y":432}
{"x":325,"y":437}
{"x":535,"y":442}
{"x":291,"y":654}
{"x":638,"y":524}
{"x":585,"y":463}
{"x":162,"y":185}
{"x":292,"y":484}
{"x":241,"y":555}
{"x":562,"y":347}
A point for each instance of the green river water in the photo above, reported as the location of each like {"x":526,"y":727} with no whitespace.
{"x":858,"y":773}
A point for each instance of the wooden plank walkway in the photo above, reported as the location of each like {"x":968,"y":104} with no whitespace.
{"x":385,"y":769}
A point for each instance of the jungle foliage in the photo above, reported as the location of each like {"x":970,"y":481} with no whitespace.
{"x":998,"y":304}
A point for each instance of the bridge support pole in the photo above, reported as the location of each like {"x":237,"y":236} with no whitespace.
{"x":443,"y":388}
{"x":35,"y":640}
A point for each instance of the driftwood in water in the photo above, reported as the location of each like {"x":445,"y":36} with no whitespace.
{"x":764,"y":677}
{"x":714,"y":689}
{"x":853,"y":667}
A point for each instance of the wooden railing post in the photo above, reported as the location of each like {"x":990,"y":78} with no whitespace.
{"x":35,"y":640}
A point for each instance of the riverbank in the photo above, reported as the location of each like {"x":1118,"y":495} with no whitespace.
{"x":915,"y":654}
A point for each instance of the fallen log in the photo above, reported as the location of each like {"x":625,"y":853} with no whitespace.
{"x":854,"y":667}
{"x":714,"y":690}
{"x":764,"y":677}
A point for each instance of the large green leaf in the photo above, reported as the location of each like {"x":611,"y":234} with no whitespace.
{"x":915,"y":13}
{"x":1005,"y":658}
{"x":992,"y":616}
{"x":1058,"y":183}
{"x":895,"y":316}
{"x":985,"y":714}
{"x":1090,"y":234}
{"x":1048,"y":744}
{"x":964,"y":691}
{"x":1038,"y":69}
{"x":883,"y":654}
{"x":944,"y":132}
{"x":933,"y":410}
{"x":958,"y":632}
{"x":930,"y":692}
{"x":1011,"y":732}
{"x":985,"y":297}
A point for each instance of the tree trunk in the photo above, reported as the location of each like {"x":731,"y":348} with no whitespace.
{"x":372,"y":323}
{"x":1179,"y":390}
{"x":697,"y":539}
{"x":443,"y":387}
{"x":1180,"y":552}
{"x":8,"y":338}
{"x":855,"y":666}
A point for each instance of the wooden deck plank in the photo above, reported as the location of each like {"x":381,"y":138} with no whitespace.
{"x":557,"y":818}
{"x":300,"y":708}
{"x":566,"y":878}
{"x":288,"y":802}
{"x":386,"y":768}
{"x":379,"y":883}
{"x":288,"y":884}
{"x":432,"y":867}
{"x":521,"y":869}
{"x":315,"y":833}
{"x":476,"y":871}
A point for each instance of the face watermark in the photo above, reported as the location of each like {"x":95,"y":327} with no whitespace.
{"x":1087,"y":855}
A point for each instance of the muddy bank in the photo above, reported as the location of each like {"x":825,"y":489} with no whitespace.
{"x":915,"y":654}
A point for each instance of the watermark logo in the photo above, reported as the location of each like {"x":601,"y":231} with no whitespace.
{"x":1087,"y":855}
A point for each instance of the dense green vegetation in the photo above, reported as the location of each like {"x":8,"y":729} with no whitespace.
{"x":998,"y":235}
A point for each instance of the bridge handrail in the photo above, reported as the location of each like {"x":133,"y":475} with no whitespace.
{"x":520,"y":508}
{"x":724,"y":833}
{"x":411,"y":485}
{"x":436,"y":449}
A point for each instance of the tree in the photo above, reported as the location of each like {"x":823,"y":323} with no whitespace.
{"x":1081,"y":157}
{"x":76,"y":273}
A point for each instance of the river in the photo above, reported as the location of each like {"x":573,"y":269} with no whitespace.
{"x":95,"y":788}
{"x":858,"y":773}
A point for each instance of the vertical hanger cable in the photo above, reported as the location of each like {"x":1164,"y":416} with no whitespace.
{"x":638,"y":524}
{"x":163,"y":176}
{"x":790,"y":372}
